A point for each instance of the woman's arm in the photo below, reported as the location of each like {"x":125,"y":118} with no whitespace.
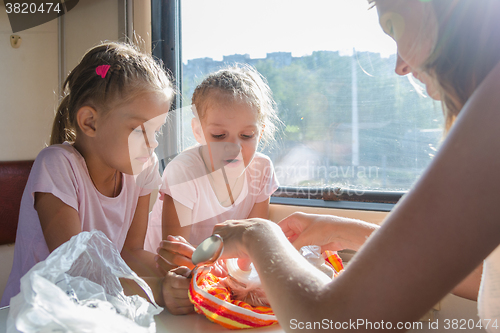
{"x":141,"y":261}
{"x":330,"y":232}
{"x":59,"y":221}
{"x":341,"y":233}
{"x":433,"y":239}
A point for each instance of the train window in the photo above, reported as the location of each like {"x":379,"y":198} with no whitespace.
{"x":350,"y":122}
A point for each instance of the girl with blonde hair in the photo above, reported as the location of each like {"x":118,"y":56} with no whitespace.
{"x":223,"y":177}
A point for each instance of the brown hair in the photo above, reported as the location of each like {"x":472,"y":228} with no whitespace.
{"x":467,"y":49}
{"x":244,"y":83}
{"x":130,"y":73}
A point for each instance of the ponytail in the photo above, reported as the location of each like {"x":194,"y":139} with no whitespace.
{"x":62,"y":129}
{"x":107,"y":75}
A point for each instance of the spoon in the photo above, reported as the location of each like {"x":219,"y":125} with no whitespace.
{"x":207,"y":252}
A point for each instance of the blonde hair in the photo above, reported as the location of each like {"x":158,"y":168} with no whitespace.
{"x":130,"y":73}
{"x":240,"y":83}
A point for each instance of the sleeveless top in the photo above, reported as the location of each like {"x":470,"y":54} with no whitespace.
{"x":488,"y":301}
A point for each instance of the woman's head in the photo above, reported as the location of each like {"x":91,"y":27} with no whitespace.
{"x":467,"y":49}
{"x":234,"y":112}
{"x":454,"y":46}
{"x":109,"y":75}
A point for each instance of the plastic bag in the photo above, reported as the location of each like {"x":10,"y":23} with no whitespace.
{"x":312,"y":253}
{"x":77,"y":289}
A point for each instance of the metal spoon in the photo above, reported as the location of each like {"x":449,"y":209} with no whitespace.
{"x":207,"y":252}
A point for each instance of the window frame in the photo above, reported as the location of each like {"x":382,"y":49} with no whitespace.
{"x":166,"y":46}
{"x":166,"y":27}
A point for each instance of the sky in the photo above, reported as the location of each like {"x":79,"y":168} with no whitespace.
{"x":213,"y":28}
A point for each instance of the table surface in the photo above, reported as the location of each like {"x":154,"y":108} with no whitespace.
{"x":167,"y":323}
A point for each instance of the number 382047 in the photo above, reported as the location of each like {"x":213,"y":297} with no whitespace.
{"x":32,"y":8}
{"x":463,"y":324}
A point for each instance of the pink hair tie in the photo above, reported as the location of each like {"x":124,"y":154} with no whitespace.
{"x":102,"y":70}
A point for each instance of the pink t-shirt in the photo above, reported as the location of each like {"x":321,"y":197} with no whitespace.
{"x":185,"y":180}
{"x":62,"y":171}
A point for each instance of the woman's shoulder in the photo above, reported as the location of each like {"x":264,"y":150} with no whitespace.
{"x":491,"y":82}
{"x":484,"y":99}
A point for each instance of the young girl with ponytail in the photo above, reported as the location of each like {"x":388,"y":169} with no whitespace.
{"x":100,"y":168}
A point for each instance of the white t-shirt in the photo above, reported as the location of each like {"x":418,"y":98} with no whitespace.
{"x":185,"y":179}
{"x":488,"y":301}
{"x":62,"y":171}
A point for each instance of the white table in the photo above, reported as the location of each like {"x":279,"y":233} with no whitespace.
{"x":167,"y":323}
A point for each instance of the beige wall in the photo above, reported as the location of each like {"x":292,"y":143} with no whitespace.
{"x":29,"y":76}
{"x":142,"y":22}
{"x":28,"y":85}
{"x":89,"y":23}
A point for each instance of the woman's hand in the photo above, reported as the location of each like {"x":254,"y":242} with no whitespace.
{"x":330,"y":232}
{"x":218,"y":268}
{"x":237,"y":235}
{"x":173,"y":252}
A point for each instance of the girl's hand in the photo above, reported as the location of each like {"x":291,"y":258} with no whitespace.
{"x":175,"y":287}
{"x":175,"y":251}
{"x":330,"y":232}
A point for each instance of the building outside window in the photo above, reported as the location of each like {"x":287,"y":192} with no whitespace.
{"x":350,"y":121}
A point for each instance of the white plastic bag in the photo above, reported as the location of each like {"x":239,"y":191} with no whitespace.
{"x":313,"y":254}
{"x":76,"y":289}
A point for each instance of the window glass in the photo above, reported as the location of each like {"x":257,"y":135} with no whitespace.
{"x":349,"y":120}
